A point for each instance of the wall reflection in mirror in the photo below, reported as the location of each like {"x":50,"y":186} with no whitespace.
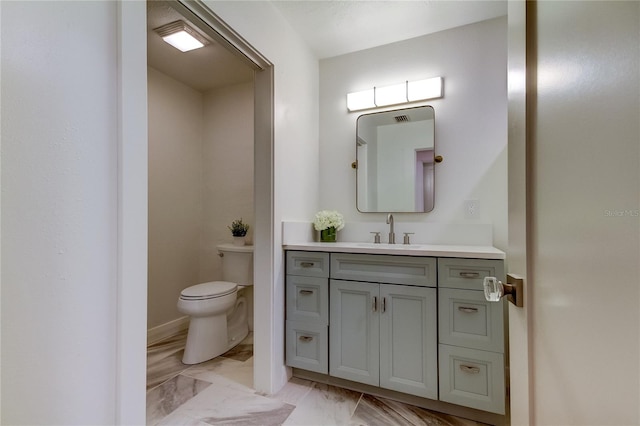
{"x":395,"y":161}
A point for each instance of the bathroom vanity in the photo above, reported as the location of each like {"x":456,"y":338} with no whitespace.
{"x":406,"y":322}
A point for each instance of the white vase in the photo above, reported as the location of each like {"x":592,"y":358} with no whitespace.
{"x":239,"y":241}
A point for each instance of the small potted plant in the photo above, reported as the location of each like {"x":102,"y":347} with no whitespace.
{"x":328,"y":222}
{"x":239,"y":231}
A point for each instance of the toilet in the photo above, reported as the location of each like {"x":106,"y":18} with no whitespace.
{"x":220,"y":311}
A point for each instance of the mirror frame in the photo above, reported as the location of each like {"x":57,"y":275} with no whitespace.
{"x":431,"y":160}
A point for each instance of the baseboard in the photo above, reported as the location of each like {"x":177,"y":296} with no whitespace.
{"x":168,"y":329}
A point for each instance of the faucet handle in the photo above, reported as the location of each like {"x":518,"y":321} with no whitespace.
{"x":406,"y":237}
{"x":376,"y":237}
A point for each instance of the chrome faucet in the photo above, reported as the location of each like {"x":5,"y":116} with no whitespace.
{"x":392,"y":235}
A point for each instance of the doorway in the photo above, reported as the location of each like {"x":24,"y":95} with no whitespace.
{"x":200,"y":136}
{"x":133,"y":158}
{"x":228,"y":70}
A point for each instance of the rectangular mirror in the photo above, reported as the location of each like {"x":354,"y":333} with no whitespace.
{"x":395,"y":161}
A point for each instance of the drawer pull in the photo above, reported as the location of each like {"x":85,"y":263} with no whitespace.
{"x":467,"y":309}
{"x":384,"y":305}
{"x":306,"y":338}
{"x":305,"y":292}
{"x":375,"y":304}
{"x":307,"y":264}
{"x":469,"y":274}
{"x":469,"y":369}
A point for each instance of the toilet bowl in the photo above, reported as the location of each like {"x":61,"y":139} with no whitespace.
{"x":221,"y":311}
{"x":218,"y":319}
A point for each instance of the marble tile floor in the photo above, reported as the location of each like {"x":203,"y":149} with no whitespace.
{"x":220,"y":392}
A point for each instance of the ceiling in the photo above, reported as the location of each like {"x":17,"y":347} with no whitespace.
{"x":336,"y":27}
{"x":202,"y":69}
{"x":329,"y":27}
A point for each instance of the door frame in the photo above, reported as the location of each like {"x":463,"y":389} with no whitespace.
{"x":521,"y":86}
{"x":132,"y":195}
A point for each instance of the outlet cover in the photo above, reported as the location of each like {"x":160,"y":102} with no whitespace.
{"x":472,"y":209}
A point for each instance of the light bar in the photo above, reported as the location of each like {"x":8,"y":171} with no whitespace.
{"x":409,"y":91}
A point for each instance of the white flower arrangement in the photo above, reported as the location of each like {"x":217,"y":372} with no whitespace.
{"x":326,"y":219}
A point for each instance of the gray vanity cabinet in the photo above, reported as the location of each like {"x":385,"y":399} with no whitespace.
{"x":384,"y":334}
{"x":471,"y":335}
{"x":307,"y":311}
{"x":417,"y":325}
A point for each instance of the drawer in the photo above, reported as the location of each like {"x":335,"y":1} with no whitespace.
{"x":472,"y":378}
{"x":307,"y":346}
{"x":465,"y":318}
{"x":468,"y":273}
{"x":408,"y":270}
{"x":307,"y":299}
{"x":308,"y":263}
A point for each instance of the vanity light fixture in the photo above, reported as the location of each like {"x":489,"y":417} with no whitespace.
{"x":409,"y":91}
{"x":181,"y":36}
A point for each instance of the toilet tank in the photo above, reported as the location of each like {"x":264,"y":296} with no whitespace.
{"x":237,"y":263}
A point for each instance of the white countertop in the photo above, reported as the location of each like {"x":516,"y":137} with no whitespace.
{"x":475,"y":252}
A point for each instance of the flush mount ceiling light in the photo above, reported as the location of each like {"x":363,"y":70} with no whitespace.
{"x":409,"y":91}
{"x":181,"y":36}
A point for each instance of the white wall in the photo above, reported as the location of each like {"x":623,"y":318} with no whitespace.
{"x":175,"y":193}
{"x":470,"y":121}
{"x":295,"y":164}
{"x":227,"y":166}
{"x":585,"y":232}
{"x":60,"y":180}
{"x":59,"y":217}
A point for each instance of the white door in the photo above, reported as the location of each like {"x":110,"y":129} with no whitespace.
{"x":574,"y":202}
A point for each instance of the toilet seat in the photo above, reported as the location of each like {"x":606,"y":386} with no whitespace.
{"x":209,"y":290}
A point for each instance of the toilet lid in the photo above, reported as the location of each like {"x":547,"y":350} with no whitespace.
{"x":208,"y":290}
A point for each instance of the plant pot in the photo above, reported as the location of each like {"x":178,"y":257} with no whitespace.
{"x":328,"y":235}
{"x":239,"y":241}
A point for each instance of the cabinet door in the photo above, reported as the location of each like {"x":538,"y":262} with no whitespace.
{"x":466,"y":319}
{"x":307,"y":346}
{"x":467,"y":274}
{"x":408,"y":340}
{"x":381,"y":268}
{"x":472,"y":378}
{"x":354,"y":331}
{"x":307,"y":299}
{"x":308,"y":264}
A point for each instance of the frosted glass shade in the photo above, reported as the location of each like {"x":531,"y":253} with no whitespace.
{"x":424,"y":89}
{"x":361,"y":100}
{"x":181,"y":36}
{"x":395,"y":94}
